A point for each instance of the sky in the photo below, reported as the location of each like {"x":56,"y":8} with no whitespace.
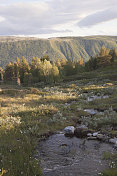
{"x":55,"y":18}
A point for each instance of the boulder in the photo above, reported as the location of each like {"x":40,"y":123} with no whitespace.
{"x":113,"y":140}
{"x":69,"y":130}
{"x":81,"y":131}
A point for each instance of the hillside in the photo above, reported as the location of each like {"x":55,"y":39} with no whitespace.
{"x":68,"y":47}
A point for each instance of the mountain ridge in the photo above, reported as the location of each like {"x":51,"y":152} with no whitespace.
{"x":73,"y":48}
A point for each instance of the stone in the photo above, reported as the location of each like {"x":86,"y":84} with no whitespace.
{"x":95,"y":134}
{"x":113,"y":140}
{"x":115,"y":146}
{"x":69,"y":130}
{"x":101,"y":137}
{"x":81,"y":131}
{"x":90,"y":111}
{"x":89,"y":135}
{"x":92,"y":138}
{"x":83,"y":127}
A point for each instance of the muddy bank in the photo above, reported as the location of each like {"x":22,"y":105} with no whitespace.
{"x":63,"y":156}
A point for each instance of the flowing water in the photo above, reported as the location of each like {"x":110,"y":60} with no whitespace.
{"x":95,"y":97}
{"x":93,"y":111}
{"x":63,"y":156}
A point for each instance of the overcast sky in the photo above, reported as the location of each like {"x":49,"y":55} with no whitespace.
{"x":50,"y":18}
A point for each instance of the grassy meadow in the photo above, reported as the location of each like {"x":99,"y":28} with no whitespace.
{"x":30,"y":114}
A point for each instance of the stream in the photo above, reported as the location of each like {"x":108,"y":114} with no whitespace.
{"x":95,"y":97}
{"x":64,"y":156}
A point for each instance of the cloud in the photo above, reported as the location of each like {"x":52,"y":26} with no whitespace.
{"x":50,"y":16}
{"x":2,"y":19}
{"x":98,"y":17}
{"x":31,"y":18}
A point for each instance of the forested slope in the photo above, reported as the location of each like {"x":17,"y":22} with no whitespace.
{"x":73,"y":48}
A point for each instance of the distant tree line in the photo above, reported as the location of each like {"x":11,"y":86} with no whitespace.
{"x":44,"y":70}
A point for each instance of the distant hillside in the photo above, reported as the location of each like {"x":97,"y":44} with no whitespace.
{"x":66,"y":47}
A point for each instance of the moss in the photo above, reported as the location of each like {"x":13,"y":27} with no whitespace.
{"x":110,"y":172}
